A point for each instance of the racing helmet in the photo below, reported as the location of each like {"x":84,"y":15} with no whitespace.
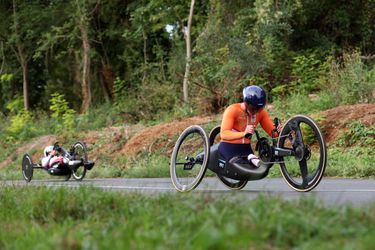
{"x":47,"y":150}
{"x":255,"y":96}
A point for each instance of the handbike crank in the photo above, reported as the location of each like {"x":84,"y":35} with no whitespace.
{"x":299,"y":153}
{"x":191,"y":161}
{"x":302,"y":152}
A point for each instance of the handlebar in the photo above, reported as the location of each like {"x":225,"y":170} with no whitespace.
{"x":248,"y":135}
{"x":276,"y":121}
{"x":56,"y":147}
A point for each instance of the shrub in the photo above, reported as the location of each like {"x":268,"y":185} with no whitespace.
{"x":358,"y":133}
{"x":148,"y":102}
{"x":351,"y":81}
{"x":61,"y":111}
{"x":20,"y":126}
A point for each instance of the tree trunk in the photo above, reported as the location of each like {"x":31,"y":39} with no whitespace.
{"x":188,"y":53}
{"x":25,"y":85}
{"x":23,"y":60}
{"x":85,"y":83}
{"x":145,"y":58}
{"x":107,"y":79}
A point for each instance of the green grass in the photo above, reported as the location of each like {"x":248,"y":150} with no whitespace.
{"x":355,"y":162}
{"x":88,"y":218}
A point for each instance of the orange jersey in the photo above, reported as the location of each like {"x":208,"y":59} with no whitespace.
{"x":235,"y":120}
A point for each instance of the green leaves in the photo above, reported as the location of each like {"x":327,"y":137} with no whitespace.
{"x":61,"y":111}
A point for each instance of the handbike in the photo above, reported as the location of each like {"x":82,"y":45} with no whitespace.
{"x":300,"y":150}
{"x":76,"y":163}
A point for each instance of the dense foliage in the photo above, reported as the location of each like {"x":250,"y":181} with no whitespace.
{"x":128,"y":57}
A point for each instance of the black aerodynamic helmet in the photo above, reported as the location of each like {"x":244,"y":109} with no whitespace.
{"x":255,"y":96}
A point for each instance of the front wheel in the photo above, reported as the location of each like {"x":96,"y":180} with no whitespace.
{"x":27,"y":168}
{"x":79,"y":152}
{"x":304,"y":170}
{"x":189,"y":159}
{"x":214,"y":137}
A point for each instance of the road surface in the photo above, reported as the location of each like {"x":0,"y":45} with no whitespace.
{"x":356,"y":192}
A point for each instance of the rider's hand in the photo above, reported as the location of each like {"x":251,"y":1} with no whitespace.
{"x":249,"y":129}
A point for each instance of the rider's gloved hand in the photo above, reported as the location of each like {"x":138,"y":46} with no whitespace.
{"x":249,"y":129}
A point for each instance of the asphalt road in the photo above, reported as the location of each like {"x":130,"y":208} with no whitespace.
{"x":334,"y":192}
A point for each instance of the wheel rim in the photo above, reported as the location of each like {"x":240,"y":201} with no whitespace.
{"x":80,"y":153}
{"x":303,"y":171}
{"x":189,"y":159}
{"x":27,"y":168}
{"x":214,"y":137}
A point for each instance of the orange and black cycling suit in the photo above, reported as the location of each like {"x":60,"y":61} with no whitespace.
{"x":235,"y":119}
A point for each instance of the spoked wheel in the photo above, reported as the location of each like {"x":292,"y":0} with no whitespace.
{"x":79,"y":153}
{"x":214,"y":137}
{"x":27,"y":168}
{"x":189,"y":159}
{"x":305,"y":169}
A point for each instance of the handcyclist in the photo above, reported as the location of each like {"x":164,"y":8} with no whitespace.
{"x":55,"y":157}
{"x":51,"y":159}
{"x":239,"y":123}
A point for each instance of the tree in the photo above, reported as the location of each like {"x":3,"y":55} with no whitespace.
{"x":22,"y":55}
{"x":71,"y":35}
{"x":82,"y":19}
{"x":188,"y":52}
{"x":22,"y":25}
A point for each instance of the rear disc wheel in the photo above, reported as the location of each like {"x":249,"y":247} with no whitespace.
{"x":27,"y":168}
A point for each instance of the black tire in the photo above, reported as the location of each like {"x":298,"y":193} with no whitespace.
{"x":27,"y":167}
{"x":304,"y":171}
{"x":67,"y":177}
{"x":228,"y":182}
{"x":189,"y":159}
{"x":79,"y":153}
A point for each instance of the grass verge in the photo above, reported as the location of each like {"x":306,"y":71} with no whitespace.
{"x":88,"y":218}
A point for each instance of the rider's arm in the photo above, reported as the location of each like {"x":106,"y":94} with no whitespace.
{"x":45,"y":161}
{"x":266,"y":122}
{"x":226,"y":131}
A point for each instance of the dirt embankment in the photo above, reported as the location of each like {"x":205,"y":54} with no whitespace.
{"x":147,"y":139}
{"x":131,"y":140}
{"x":37,"y":145}
{"x":335,"y":120}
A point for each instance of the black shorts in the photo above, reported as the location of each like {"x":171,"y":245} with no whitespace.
{"x":230,"y":150}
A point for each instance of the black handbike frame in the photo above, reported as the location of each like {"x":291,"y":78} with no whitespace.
{"x":77,"y":170}
{"x":290,"y":144}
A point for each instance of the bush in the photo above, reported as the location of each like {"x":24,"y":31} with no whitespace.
{"x":358,"y":133}
{"x":21,"y":126}
{"x":148,"y":102}
{"x":61,"y":111}
{"x":351,"y":81}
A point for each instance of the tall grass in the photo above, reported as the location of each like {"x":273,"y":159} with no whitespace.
{"x":88,"y":218}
